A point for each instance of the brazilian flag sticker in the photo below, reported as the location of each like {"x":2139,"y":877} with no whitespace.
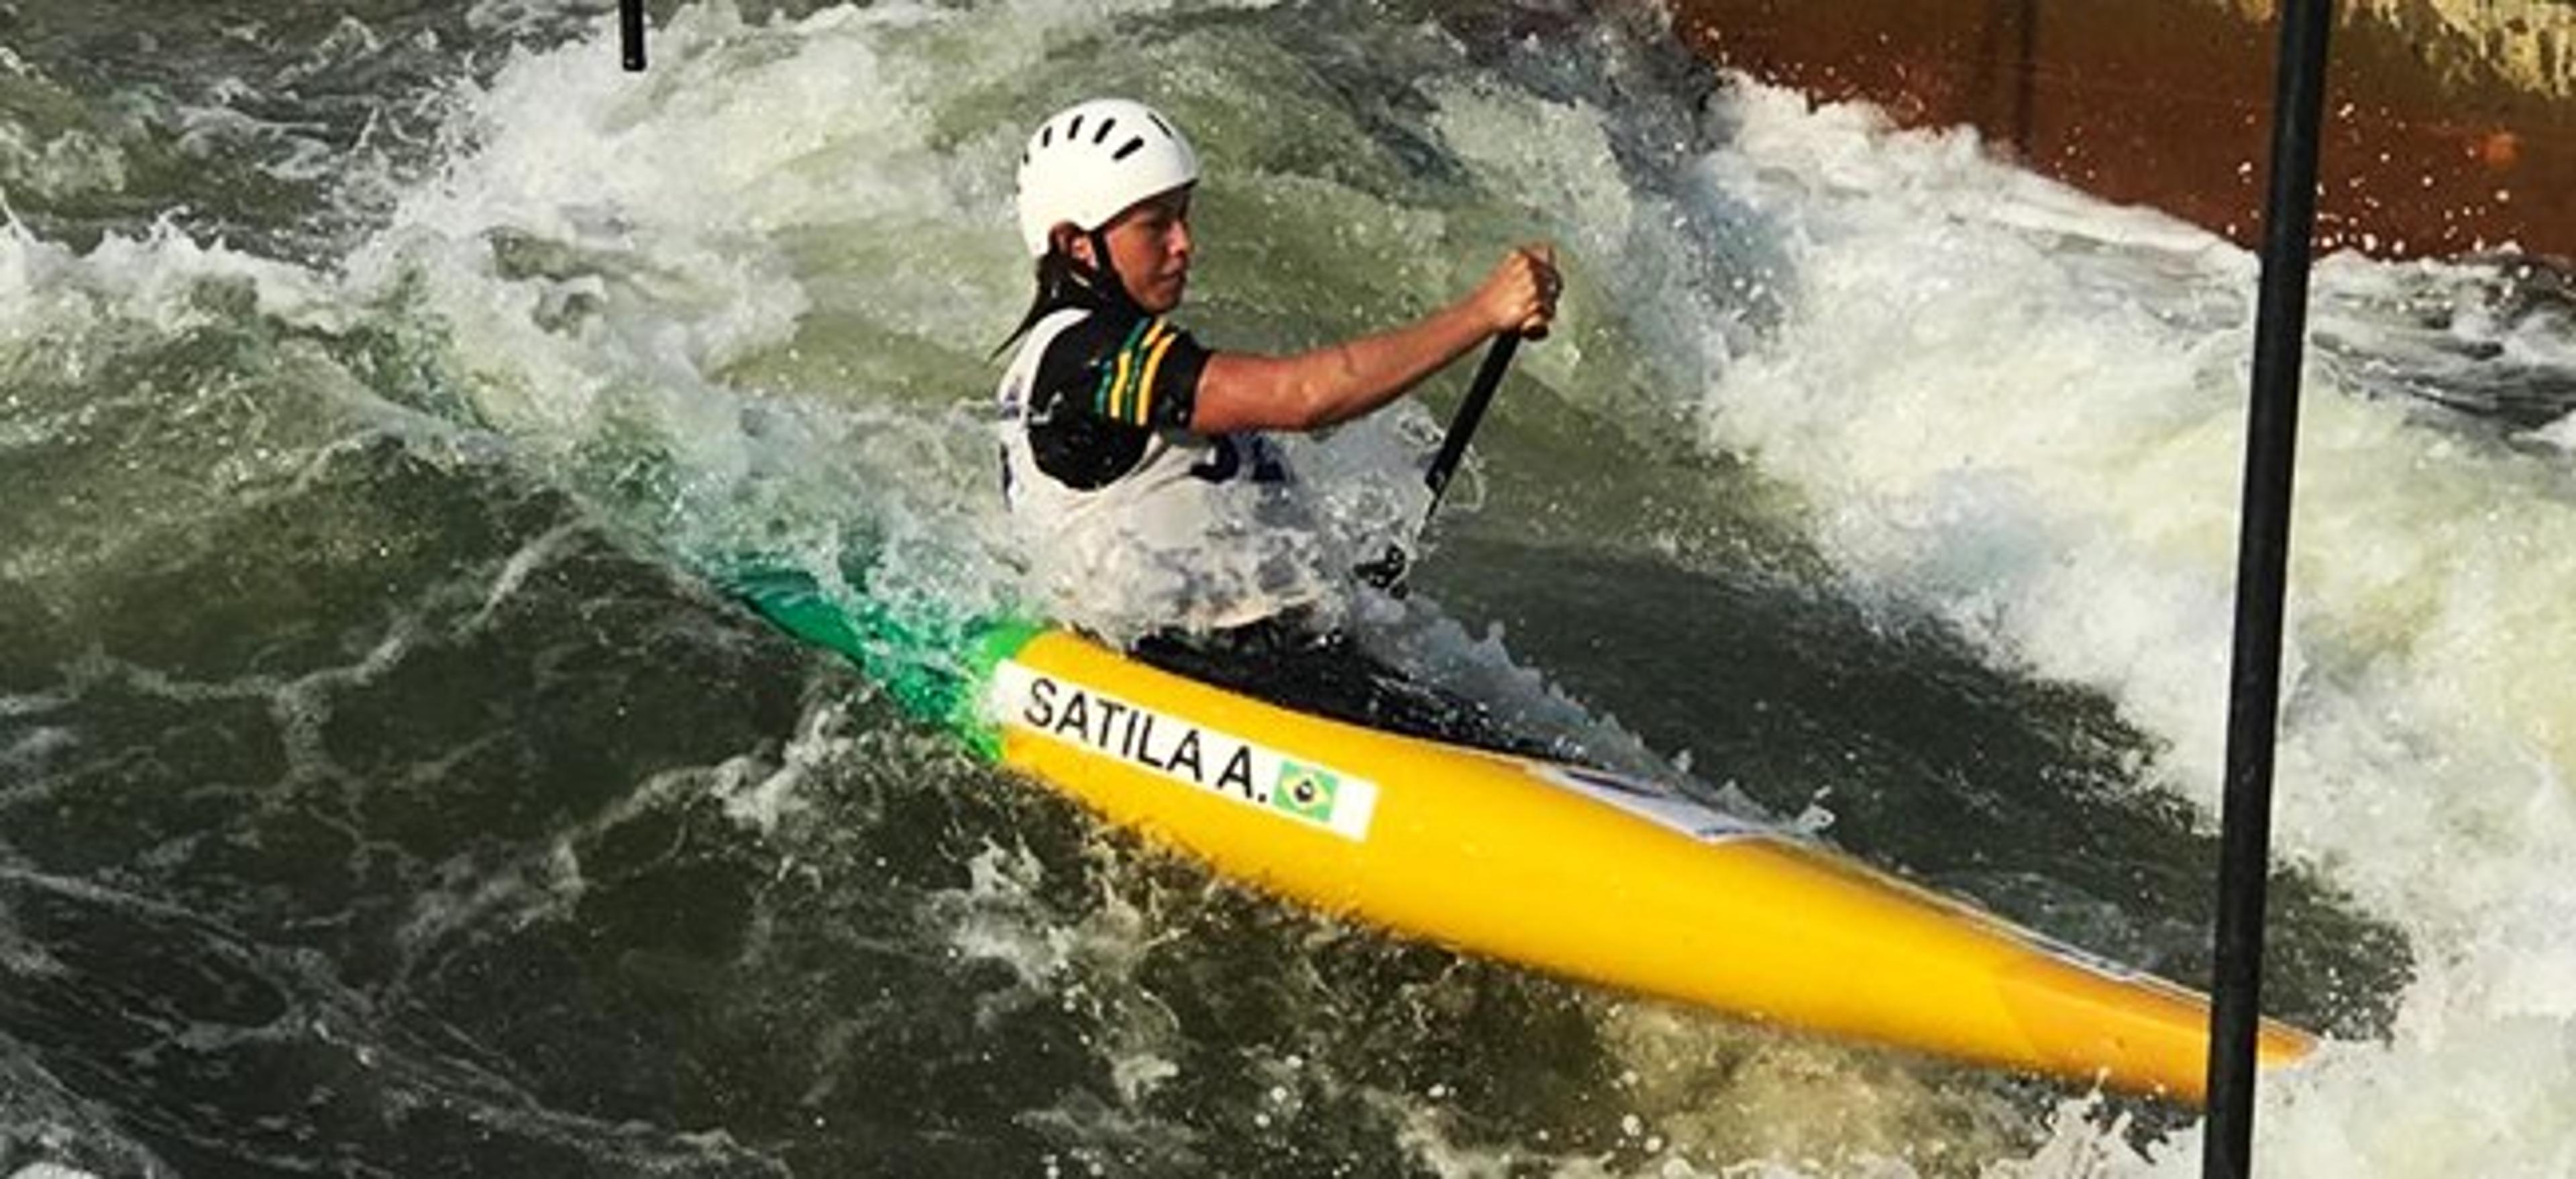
{"x":1305,"y":791}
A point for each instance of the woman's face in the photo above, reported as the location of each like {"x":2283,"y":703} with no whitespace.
{"x":1150,"y":245}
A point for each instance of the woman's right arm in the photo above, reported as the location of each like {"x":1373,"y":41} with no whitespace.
{"x":1328,"y":386}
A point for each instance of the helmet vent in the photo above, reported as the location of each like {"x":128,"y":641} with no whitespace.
{"x":1075,"y":129}
{"x":1134,"y":143}
{"x":1046,"y":137}
{"x":1166,"y":128}
{"x":1102,"y":135}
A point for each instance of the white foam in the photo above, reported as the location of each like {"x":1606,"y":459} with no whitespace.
{"x":49,"y":1171}
{"x":761,"y":796}
{"x":2022,"y":412}
{"x":2001,"y":402}
{"x":154,"y":282}
{"x":629,"y":268}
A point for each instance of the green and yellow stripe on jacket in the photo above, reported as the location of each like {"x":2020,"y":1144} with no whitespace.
{"x":1126,"y":390}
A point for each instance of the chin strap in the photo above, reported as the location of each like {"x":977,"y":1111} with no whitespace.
{"x":1103,"y":275}
{"x":1064,"y":281}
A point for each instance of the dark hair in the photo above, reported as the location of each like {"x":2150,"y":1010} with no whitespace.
{"x":1064,"y":282}
{"x":1060,"y":281}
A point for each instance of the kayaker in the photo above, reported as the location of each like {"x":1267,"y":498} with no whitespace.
{"x":1135,"y":463}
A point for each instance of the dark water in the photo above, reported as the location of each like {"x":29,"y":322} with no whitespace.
{"x":380,"y":793}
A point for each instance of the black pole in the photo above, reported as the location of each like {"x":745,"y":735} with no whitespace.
{"x":1480,"y":393}
{"x":2262,"y":552}
{"x":1387,"y":571}
{"x":630,"y":33}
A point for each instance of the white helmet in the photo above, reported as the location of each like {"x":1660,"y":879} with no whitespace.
{"x":1092,"y":160}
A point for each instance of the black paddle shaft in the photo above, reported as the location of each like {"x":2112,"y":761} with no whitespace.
{"x":1387,"y":571}
{"x":1480,"y":393}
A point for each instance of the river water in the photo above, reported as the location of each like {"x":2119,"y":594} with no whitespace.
{"x":381,"y":792}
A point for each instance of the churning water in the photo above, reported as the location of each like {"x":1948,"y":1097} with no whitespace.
{"x":382,"y":793}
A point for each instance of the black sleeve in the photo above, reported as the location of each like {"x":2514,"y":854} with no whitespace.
{"x":1102,"y":388}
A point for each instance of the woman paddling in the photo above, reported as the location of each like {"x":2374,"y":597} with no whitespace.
{"x":1147,"y":498}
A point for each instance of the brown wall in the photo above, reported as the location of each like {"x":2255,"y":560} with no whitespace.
{"x":2167,"y":103}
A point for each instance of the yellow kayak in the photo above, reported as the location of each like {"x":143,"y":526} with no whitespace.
{"x":1616,"y":881}
{"x":1588,"y":874}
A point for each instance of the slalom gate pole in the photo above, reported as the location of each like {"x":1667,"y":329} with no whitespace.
{"x":2262,"y":560}
{"x":630,"y":34}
